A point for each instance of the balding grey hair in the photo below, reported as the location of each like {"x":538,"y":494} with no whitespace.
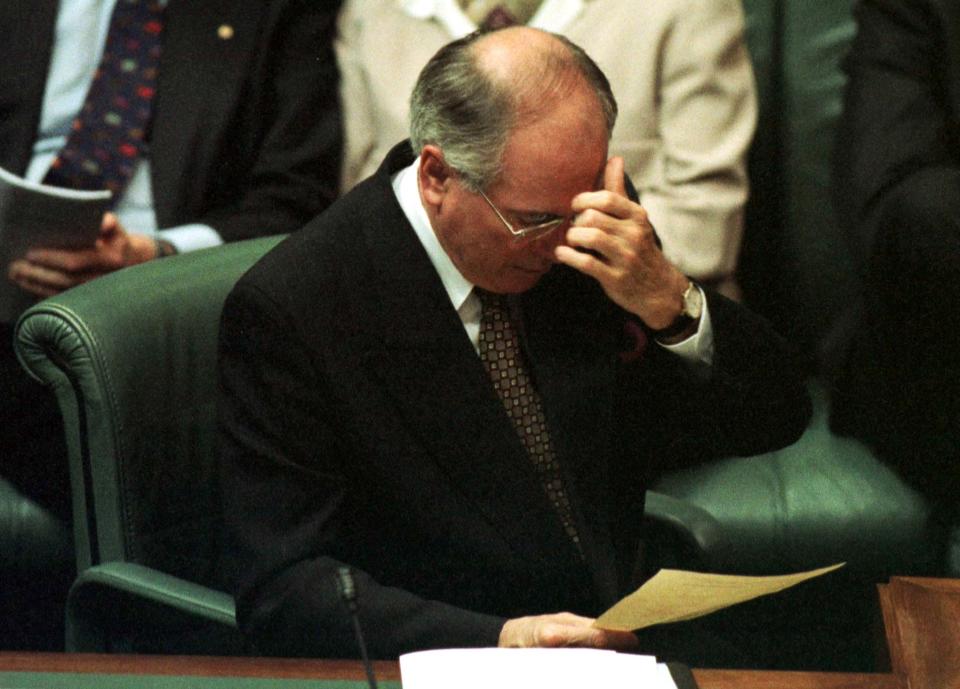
{"x":469,"y":113}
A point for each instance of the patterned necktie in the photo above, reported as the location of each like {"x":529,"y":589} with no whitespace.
{"x":109,"y":134}
{"x":501,"y":355}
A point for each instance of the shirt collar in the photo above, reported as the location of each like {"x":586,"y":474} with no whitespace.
{"x":407,"y":191}
{"x":553,"y":15}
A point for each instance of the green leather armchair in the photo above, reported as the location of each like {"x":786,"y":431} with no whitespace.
{"x":131,"y":358}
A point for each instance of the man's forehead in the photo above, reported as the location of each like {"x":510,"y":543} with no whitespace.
{"x":544,"y":165}
{"x":550,"y":173}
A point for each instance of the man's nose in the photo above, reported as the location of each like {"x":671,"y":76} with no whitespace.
{"x":546,"y":245}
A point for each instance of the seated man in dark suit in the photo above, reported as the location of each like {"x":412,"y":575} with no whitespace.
{"x":898,"y":190}
{"x":482,"y":499}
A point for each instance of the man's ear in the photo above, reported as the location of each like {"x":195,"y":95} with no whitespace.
{"x":435,"y":175}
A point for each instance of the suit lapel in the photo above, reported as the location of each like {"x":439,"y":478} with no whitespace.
{"x":28,"y":34}
{"x":429,"y":367}
{"x":220,"y":35}
{"x":950,"y":15}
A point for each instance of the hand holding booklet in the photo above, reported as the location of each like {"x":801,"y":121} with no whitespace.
{"x":39,"y":215}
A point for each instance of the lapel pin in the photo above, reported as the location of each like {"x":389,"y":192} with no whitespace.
{"x":225,"y":32}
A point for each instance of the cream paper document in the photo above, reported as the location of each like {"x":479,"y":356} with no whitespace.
{"x":673,"y":596}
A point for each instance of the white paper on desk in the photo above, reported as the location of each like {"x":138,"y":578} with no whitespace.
{"x":522,"y":668}
{"x":673,"y":596}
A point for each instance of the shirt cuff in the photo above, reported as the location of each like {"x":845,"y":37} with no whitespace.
{"x":191,"y":237}
{"x":699,"y":346}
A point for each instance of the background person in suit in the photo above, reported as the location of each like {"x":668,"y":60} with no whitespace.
{"x":359,"y":425}
{"x":898,"y":191}
{"x":242,"y":138}
{"x":680,"y":70}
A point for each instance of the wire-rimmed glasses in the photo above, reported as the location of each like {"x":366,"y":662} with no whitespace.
{"x":530,"y":231}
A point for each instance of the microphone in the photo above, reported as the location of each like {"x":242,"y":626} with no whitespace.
{"x":348,"y":592}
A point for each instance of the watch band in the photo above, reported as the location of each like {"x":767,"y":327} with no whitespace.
{"x":689,"y":313}
{"x":681,"y":323}
{"x":164,"y":248}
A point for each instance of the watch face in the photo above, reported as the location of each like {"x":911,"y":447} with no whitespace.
{"x":693,"y":302}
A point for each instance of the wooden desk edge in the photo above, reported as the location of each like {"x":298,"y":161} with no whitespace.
{"x":300,"y":668}
{"x":202,"y":666}
{"x":779,"y":679}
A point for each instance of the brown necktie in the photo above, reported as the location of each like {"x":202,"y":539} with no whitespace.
{"x":501,"y":355}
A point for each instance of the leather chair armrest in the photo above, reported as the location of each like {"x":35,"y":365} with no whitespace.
{"x":696,"y":531}
{"x":103,"y":593}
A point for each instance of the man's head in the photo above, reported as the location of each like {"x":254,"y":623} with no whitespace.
{"x":476,"y":90}
{"x":522,"y":116}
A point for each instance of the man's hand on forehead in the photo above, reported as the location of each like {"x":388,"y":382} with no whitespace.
{"x":611,"y":240}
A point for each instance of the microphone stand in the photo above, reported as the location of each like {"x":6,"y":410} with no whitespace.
{"x":348,"y":592}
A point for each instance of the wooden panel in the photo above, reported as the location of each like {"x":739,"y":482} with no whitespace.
{"x":753,"y":679}
{"x":202,"y":666}
{"x":922,"y":621}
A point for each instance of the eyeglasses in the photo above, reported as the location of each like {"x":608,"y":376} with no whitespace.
{"x":532,"y":231}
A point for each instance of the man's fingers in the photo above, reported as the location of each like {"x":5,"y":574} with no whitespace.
{"x":562,"y":629}
{"x":556,"y":635}
{"x":620,"y":641}
{"x":605,"y":201}
{"x":581,"y":631}
{"x":587,"y":264}
{"x":64,"y":260}
{"x":601,"y":243}
{"x":36,"y":289}
{"x":613,"y":176}
{"x":41,"y":280}
{"x":109,"y":224}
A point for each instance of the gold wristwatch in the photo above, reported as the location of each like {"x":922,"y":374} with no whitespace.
{"x":690,"y":312}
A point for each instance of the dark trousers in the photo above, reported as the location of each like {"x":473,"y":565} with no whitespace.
{"x":36,"y":555}
{"x":900,"y":387}
{"x":33,"y":455}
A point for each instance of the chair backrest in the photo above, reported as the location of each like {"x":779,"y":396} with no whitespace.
{"x":132,"y":359}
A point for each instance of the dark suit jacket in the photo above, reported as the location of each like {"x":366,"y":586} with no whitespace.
{"x":246,"y":131}
{"x":898,"y":190}
{"x":359,"y":426}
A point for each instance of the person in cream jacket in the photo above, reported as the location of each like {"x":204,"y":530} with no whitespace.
{"x":682,"y":76}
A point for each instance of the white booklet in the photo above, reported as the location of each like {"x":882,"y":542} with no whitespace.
{"x":522,"y":668}
{"x":39,"y":215}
